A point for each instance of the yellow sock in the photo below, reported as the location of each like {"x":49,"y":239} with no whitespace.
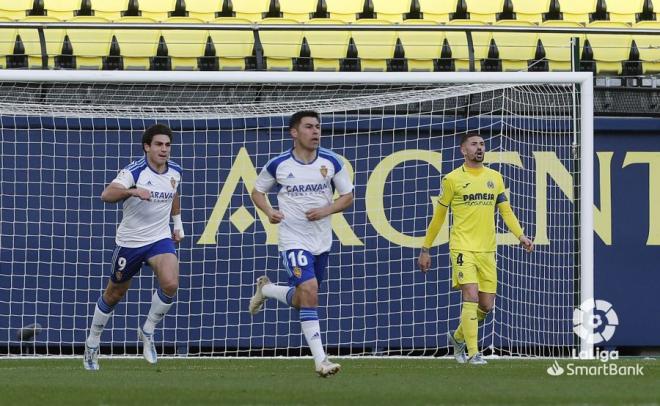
{"x":458,"y":334}
{"x":481,"y":315}
{"x":469,"y":326}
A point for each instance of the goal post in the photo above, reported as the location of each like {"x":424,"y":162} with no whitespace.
{"x":64,"y":135}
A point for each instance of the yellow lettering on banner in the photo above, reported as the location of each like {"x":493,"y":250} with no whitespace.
{"x":340,"y":226}
{"x":547,"y":164}
{"x":376,"y":190}
{"x":510,"y":158}
{"x":653,"y":160}
{"x":603,"y":216}
{"x":241,"y":169}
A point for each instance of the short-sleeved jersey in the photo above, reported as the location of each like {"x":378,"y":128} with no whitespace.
{"x":473,"y":195}
{"x":301,"y":187}
{"x":147,"y":221}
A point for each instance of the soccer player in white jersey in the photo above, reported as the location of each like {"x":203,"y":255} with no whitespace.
{"x":148,"y":189}
{"x":306,"y":177}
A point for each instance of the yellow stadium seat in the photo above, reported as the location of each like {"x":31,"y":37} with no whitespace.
{"x":374,"y":48}
{"x":7,"y":42}
{"x":530,"y":10}
{"x":624,"y":10}
{"x":391,"y":10}
{"x":515,"y":48}
{"x":184,"y":46}
{"x":299,"y":10}
{"x":648,"y":46}
{"x":344,"y":10}
{"x":15,"y":9}
{"x":280,"y":47}
{"x":158,"y":10}
{"x":609,"y":49}
{"x":558,"y":46}
{"x":459,"y":46}
{"x":327,"y":48}
{"x":137,"y":47}
{"x":577,"y":10}
{"x":232,"y":46}
{"x":30,"y":37}
{"x":89,"y":46}
{"x":484,"y":10}
{"x":110,"y":9}
{"x":61,"y":9}
{"x":437,"y":10}
{"x":205,"y":10}
{"x":252,"y":10}
{"x":421,"y":47}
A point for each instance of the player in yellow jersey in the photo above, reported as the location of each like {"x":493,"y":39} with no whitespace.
{"x":473,"y":191}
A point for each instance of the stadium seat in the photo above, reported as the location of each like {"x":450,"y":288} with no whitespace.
{"x":61,"y":9}
{"x":232,"y":46}
{"x":89,"y":46}
{"x":484,"y":10}
{"x":184,"y":46}
{"x":435,"y":10}
{"x":391,"y":10}
{"x":344,"y":10}
{"x":110,"y":9}
{"x":30,"y":37}
{"x":648,"y":46}
{"x":7,"y":42}
{"x":158,"y":10}
{"x":280,"y":47}
{"x":299,"y":10}
{"x":421,"y":48}
{"x":530,"y":10}
{"x":459,"y":46}
{"x":252,"y":10}
{"x":624,"y":10}
{"x":374,"y":48}
{"x":558,"y":46}
{"x":609,"y":50}
{"x":516,"y":49}
{"x":327,"y":48}
{"x":15,"y":9}
{"x":205,"y":10}
{"x":577,"y":11}
{"x":137,"y":47}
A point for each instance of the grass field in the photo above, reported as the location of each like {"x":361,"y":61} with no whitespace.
{"x":292,"y":381}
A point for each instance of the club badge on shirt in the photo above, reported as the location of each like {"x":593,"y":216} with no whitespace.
{"x":173,"y":182}
{"x":324,"y":171}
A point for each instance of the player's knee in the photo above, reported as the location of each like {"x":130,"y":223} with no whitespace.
{"x":113,"y":296}
{"x":169,"y":287}
{"x":486,"y":307}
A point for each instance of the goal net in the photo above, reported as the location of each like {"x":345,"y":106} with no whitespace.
{"x":63,"y":138}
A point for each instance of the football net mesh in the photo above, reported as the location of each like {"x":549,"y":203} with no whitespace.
{"x":61,"y":143}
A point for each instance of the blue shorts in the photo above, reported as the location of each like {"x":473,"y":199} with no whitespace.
{"x":302,"y":266}
{"x":126,"y":262}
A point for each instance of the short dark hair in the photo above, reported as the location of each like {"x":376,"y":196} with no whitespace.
{"x":297,"y":117}
{"x":467,"y":135}
{"x":155,"y":129}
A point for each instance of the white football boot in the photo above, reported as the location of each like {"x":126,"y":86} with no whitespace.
{"x":459,"y":348}
{"x":258,"y":299}
{"x":91,"y":358}
{"x":148,"y":347}
{"x":477,"y":359}
{"x":326,"y":368}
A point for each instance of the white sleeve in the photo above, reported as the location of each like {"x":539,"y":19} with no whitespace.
{"x":342,"y":182}
{"x":265,"y":181}
{"x":125,"y":178}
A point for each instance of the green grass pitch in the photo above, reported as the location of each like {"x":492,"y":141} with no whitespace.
{"x":362,"y":381}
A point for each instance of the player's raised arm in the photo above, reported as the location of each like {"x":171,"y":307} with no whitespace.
{"x":116,"y":192}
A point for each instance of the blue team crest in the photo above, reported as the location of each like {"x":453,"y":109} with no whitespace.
{"x":118,"y":275}
{"x":297,"y":272}
{"x":490,"y":184}
{"x":173,"y":182}
{"x":324,"y":171}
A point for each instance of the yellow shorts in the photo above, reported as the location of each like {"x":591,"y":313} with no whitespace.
{"x":474,"y":267}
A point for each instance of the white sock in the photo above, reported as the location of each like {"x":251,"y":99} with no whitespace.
{"x":99,"y":321}
{"x":160,"y":305}
{"x":281,"y":293}
{"x":309,"y":322}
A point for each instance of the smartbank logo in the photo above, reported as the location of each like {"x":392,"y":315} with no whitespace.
{"x":605,"y":368}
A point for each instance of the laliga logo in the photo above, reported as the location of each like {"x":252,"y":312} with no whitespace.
{"x":595,"y":321}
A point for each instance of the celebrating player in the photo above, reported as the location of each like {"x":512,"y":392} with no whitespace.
{"x":148,"y":189}
{"x":472,"y":191}
{"x":306,"y":176}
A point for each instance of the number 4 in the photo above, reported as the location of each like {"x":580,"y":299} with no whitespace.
{"x":459,"y":259}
